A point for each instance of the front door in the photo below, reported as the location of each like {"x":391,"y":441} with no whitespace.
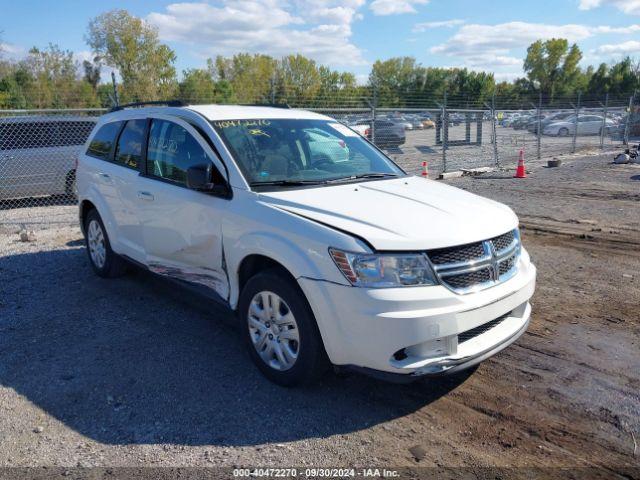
{"x":182,"y":228}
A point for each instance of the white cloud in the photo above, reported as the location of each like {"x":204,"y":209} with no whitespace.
{"x":318,"y":29}
{"x":394,"y":7}
{"x":632,"y":47}
{"x":619,"y":30}
{"x":627,"y":6}
{"x":498,"y":39}
{"x":490,"y":47}
{"x":12,"y":51}
{"x":421,"y":27}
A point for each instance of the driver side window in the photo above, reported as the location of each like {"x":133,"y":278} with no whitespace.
{"x":171,"y":151}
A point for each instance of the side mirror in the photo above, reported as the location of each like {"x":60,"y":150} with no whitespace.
{"x":199,"y":177}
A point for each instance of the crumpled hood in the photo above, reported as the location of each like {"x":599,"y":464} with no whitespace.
{"x":399,"y":214}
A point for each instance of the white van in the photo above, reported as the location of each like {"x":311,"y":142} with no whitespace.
{"x":326,"y":260}
{"x":38,"y":154}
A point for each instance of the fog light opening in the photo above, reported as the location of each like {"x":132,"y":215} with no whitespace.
{"x":400,"y":355}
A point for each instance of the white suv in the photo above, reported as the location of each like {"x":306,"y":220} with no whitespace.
{"x":331,"y":256}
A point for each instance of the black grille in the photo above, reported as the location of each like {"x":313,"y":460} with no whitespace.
{"x":485,"y":327}
{"x":503,"y":241}
{"x":507,"y":264}
{"x":463,"y":253}
{"x":470,"y":279}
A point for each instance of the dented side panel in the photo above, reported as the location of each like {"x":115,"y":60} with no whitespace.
{"x":183,"y":234}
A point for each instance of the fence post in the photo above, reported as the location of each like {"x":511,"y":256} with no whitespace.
{"x":494,"y":130}
{"x":625,"y":138}
{"x":575,"y":126}
{"x":445,"y":132}
{"x":539,"y":126}
{"x":604,"y":120}
{"x":373,"y":114}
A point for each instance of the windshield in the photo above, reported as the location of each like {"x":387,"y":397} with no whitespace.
{"x":290,"y":152}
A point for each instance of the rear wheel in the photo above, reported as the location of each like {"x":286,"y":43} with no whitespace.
{"x":563,"y":132}
{"x":280,"y":330}
{"x":104,"y":261}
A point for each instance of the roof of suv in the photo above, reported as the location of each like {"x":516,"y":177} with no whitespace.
{"x":240,"y":112}
{"x":224,"y":112}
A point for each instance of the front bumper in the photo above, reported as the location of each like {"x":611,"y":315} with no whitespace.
{"x":420,"y":331}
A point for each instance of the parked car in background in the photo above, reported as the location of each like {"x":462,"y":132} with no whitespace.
{"x":427,"y":120}
{"x":406,"y":124}
{"x":388,"y":133}
{"x":521,"y":122}
{"x":586,"y":124}
{"x":330,"y":262}
{"x":415,"y":121}
{"x":547,"y":120}
{"x":38,"y":154}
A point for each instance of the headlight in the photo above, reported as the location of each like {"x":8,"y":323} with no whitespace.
{"x":384,"y":270}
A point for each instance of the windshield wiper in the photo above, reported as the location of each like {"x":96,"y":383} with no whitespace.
{"x":286,"y":183}
{"x":362,"y":175}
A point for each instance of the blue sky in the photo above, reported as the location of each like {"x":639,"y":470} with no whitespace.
{"x":349,"y":35}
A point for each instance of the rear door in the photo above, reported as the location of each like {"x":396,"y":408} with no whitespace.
{"x":114,"y":158}
{"x":182,"y":228}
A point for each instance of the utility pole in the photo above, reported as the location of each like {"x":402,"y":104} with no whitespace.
{"x":116,"y":101}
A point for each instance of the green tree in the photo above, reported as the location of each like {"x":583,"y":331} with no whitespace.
{"x":132,"y":46}
{"x":91,"y":73}
{"x":251,"y":77}
{"x":553,"y":66}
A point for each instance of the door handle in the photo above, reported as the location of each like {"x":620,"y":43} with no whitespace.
{"x":104,"y":176}
{"x":146,"y":196}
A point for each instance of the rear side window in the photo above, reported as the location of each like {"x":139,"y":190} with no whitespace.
{"x":172,"y":150}
{"x":103,"y":141}
{"x":129,"y":149}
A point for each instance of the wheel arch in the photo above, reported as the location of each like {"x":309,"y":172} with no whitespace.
{"x":84,"y":208}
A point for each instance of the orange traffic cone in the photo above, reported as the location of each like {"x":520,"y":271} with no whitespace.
{"x":425,"y":169}
{"x":520,"y":172}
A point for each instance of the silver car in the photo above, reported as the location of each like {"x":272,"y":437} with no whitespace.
{"x":587,"y":125}
{"x":38,"y":154}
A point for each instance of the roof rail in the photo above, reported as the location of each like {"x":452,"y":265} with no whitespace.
{"x":168,"y":103}
{"x":273,"y":105}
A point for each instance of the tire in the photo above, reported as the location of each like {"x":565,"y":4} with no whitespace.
{"x":264,"y":330}
{"x":563,"y":132}
{"x":104,"y":261}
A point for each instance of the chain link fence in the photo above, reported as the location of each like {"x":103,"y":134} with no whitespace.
{"x":38,"y":148}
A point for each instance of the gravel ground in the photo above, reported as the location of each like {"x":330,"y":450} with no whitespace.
{"x":137,"y":373}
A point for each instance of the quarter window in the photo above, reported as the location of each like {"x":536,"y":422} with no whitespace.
{"x":129,"y":149}
{"x":171,"y":151}
{"x":102,"y":142}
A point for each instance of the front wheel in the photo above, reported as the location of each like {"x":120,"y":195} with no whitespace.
{"x":280,"y":330}
{"x":563,"y":132}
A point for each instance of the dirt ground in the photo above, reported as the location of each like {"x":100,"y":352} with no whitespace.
{"x":134,"y":372}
